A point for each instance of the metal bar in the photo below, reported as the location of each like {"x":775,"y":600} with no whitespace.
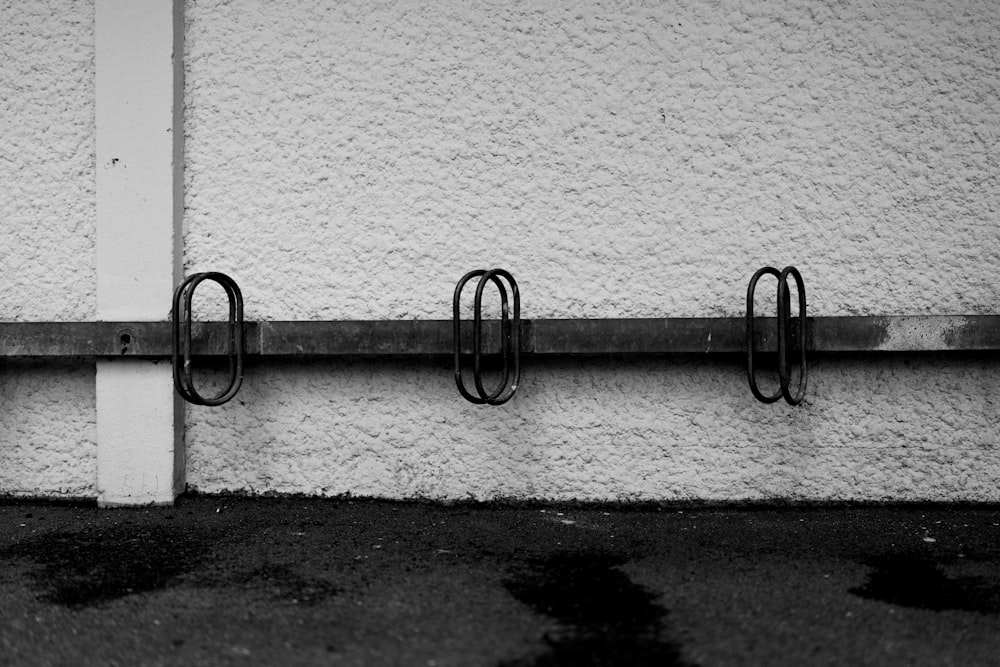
{"x":644,"y":336}
{"x":915,"y":333}
{"x":723,"y":335}
{"x":111,"y":339}
{"x":359,"y":337}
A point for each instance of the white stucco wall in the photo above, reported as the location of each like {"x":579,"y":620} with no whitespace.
{"x":635,"y":430}
{"x":350,"y":160}
{"x":47,"y":213}
{"x":47,"y":160}
{"x":47,"y":429}
{"x":353,"y":160}
{"x":621,"y":159}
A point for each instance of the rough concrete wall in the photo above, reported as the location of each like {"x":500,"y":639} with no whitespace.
{"x":351,"y":160}
{"x":48,"y":429}
{"x":48,"y":216}
{"x":48,"y":200}
{"x":633,"y":430}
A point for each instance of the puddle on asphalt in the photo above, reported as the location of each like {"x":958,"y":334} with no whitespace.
{"x":83,"y":569}
{"x":910,"y":581}
{"x":604,"y":618}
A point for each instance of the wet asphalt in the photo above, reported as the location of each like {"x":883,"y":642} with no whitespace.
{"x":298,"y":581}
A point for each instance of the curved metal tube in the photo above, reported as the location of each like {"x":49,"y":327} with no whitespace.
{"x":181,"y":318}
{"x":457,"y":335}
{"x":510,"y":338}
{"x":784,"y":318}
{"x":784,"y":315}
{"x":477,"y":336}
{"x":763,"y":398}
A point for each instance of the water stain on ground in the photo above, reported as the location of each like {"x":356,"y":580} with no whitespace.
{"x":912,"y":581}
{"x":604,"y":618}
{"x":90,"y":568}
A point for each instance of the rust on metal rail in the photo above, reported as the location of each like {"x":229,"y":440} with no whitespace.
{"x":722,"y":335}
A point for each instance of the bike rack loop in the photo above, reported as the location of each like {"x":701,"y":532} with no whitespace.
{"x":181,"y":318}
{"x":784,"y":317}
{"x":510,"y":337}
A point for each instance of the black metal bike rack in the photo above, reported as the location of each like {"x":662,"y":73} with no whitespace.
{"x":510,"y":348}
{"x":511,"y":337}
{"x":182,"y":326}
{"x":784,"y":331}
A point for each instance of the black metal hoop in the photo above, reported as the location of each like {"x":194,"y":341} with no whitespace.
{"x":181,"y":319}
{"x":760,"y":396}
{"x":510,"y":338}
{"x":784,"y":319}
{"x":784,"y":316}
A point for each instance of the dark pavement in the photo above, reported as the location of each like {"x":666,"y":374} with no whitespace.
{"x":295,"y":581}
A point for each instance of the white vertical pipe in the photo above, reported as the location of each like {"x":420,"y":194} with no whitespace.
{"x":139,"y":53}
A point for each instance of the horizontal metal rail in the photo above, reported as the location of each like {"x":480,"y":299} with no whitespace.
{"x":721,"y":335}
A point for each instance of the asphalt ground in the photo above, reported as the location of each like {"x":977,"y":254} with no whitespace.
{"x":298,"y":581}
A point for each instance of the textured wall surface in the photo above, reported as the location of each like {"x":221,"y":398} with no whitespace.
{"x":353,"y":159}
{"x":48,"y":201}
{"x":902,"y":429}
{"x":631,"y":159}
{"x":48,"y":217}
{"x":48,"y":429}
